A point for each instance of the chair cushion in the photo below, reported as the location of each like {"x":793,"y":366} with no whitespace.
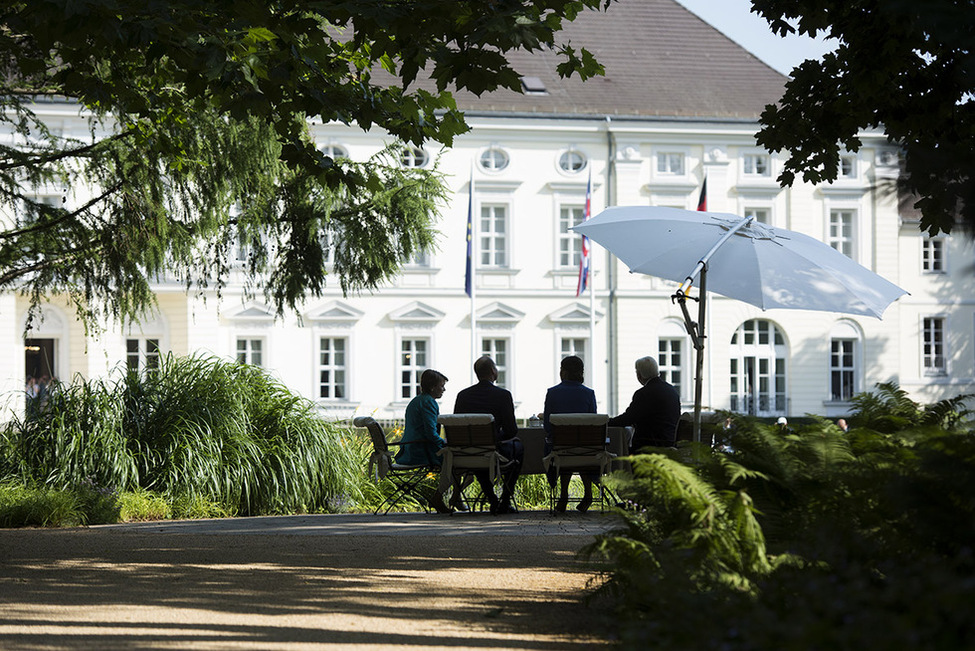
{"x":578,"y":419}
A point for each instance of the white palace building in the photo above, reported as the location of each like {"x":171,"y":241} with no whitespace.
{"x":679,"y":102}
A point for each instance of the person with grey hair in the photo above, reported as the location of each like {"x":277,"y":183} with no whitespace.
{"x":654,"y":410}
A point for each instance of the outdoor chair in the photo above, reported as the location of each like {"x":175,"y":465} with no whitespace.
{"x":578,"y":445}
{"x":470,"y":446}
{"x":406,"y":479}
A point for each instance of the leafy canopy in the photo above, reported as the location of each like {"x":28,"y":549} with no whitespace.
{"x":903,"y":66}
{"x":198,"y":136}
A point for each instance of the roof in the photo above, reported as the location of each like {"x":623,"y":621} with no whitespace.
{"x":660,"y":59}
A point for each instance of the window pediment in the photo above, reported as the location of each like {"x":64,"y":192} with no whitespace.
{"x":499,"y":313}
{"x":334,"y":312}
{"x":575,"y":314}
{"x":416,"y":312}
{"x":253,"y":313}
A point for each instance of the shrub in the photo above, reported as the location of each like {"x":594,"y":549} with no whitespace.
{"x":812,"y":539}
{"x":25,"y":506}
{"x":196,"y":430}
{"x":143,"y":505}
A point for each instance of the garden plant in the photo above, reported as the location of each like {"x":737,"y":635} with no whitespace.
{"x":814,"y":539}
{"x":194,"y":437}
{"x":202,"y":436}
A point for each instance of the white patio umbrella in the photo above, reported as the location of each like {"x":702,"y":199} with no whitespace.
{"x":738,"y":258}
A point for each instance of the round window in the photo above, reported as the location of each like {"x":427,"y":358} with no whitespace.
{"x":572,"y":161}
{"x":494,"y":160}
{"x":334,"y":151}
{"x":413,"y":157}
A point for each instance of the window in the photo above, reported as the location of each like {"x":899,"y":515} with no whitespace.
{"x":574,"y":346}
{"x":141,"y":354}
{"x":572,"y":161}
{"x":760,"y":214}
{"x":570,"y":242}
{"x":327,"y":239}
{"x":757,"y":365}
{"x":756,"y":165}
{"x":334,"y":151}
{"x":840,"y":235}
{"x":497,"y":349}
{"x":412,"y":362}
{"x":250,"y":351}
{"x":494,"y":160}
{"x":419,"y":259}
{"x":670,"y":361}
{"x":413,"y":157}
{"x":848,"y":167}
{"x":670,"y":163}
{"x":242,"y":252}
{"x":933,"y":346}
{"x":842,"y":369}
{"x":33,"y":208}
{"x":332,"y":368}
{"x":933,"y":255}
{"x":493,"y":236}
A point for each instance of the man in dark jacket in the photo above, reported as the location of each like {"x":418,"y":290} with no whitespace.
{"x":654,"y":410}
{"x":487,"y":398}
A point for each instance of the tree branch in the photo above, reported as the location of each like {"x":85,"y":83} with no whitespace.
{"x":65,"y":153}
{"x":63,"y":218}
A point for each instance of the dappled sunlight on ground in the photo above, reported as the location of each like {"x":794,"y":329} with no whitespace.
{"x":133,"y":588}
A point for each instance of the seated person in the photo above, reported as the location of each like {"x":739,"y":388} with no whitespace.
{"x":654,"y":410}
{"x":570,"y":396}
{"x":486,"y":398}
{"x":421,"y":434}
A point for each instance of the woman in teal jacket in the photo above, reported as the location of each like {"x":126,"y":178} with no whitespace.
{"x":421,"y":434}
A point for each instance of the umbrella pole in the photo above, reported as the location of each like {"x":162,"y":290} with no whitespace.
{"x":699,"y":345}
{"x":696,"y":331}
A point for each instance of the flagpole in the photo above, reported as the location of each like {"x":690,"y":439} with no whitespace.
{"x":592,"y":284}
{"x":471,"y":280}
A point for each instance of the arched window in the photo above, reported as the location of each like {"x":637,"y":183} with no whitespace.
{"x":758,"y":370}
{"x":494,"y":159}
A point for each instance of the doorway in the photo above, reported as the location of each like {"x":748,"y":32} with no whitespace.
{"x":39,"y":356}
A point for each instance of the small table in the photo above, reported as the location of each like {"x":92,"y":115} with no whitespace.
{"x":533,"y":438}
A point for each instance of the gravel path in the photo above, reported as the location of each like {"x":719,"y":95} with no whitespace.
{"x":467,"y":581}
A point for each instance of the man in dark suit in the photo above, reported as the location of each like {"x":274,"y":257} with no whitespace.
{"x":570,"y":396}
{"x":654,"y":410}
{"x":486,"y":398}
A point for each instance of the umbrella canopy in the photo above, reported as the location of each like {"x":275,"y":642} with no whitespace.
{"x":738,"y":258}
{"x":758,"y":264}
